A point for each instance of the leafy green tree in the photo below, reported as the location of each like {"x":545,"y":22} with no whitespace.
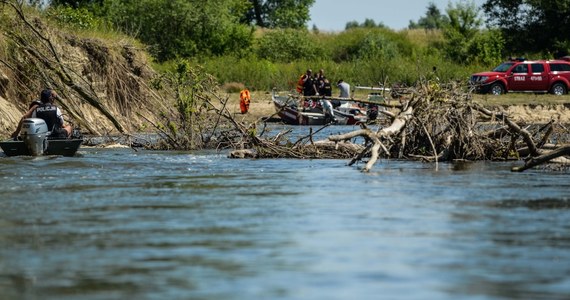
{"x":368,"y":23}
{"x":286,"y":45}
{"x":465,"y":41}
{"x":532,"y":25}
{"x":80,"y":18}
{"x":464,"y":19}
{"x":351,"y":24}
{"x":182,"y":28}
{"x":76,"y":3}
{"x":487,"y":47}
{"x":279,"y":13}
{"x":432,"y":20}
{"x":462,"y":28}
{"x":374,"y":44}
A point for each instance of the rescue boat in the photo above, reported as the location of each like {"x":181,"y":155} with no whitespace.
{"x":310,"y":111}
{"x":34,"y":140}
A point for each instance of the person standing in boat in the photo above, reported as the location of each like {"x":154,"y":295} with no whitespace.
{"x":323,"y":84}
{"x":319,"y":80}
{"x":50,"y":113}
{"x":309,"y":86}
{"x":344,"y":89}
{"x":324,"y":88}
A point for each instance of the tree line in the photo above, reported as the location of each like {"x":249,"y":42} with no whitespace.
{"x":527,"y":26}
{"x":267,"y":33}
{"x":185,"y":28}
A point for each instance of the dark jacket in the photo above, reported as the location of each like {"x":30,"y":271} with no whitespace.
{"x":48,"y":112}
{"x":309,"y":87}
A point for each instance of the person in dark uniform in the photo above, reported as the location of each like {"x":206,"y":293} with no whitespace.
{"x":50,"y":113}
{"x":326,"y":89}
{"x":309,"y":86}
{"x":323,"y":84}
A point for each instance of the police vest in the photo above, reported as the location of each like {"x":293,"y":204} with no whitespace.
{"x":48,"y":112}
{"x":309,"y":87}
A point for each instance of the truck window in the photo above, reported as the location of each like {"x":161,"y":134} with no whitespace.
{"x":537,"y":68}
{"x":559,"y":67}
{"x":522,"y":68}
{"x":503,"y":67}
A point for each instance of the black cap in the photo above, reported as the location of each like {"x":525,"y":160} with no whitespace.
{"x":45,"y":96}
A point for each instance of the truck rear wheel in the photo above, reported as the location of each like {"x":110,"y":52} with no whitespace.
{"x":558,"y":89}
{"x":497,"y":89}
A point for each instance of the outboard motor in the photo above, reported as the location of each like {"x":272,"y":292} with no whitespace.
{"x":34,"y":134}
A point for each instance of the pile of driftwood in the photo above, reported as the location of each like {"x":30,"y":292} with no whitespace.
{"x":429,"y":122}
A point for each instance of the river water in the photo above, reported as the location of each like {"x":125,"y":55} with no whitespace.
{"x":124,"y":224}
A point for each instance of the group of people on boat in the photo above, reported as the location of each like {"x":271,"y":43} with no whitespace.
{"x":310,"y":85}
{"x":45,"y":109}
{"x":314,"y":85}
{"x":317,"y":88}
{"x":319,"y":85}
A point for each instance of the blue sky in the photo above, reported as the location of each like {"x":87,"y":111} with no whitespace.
{"x":332,"y":15}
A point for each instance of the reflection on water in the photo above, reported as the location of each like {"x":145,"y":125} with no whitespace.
{"x":544,"y":203}
{"x":118,"y":224}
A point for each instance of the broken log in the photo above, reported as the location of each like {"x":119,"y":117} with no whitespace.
{"x":535,"y":161}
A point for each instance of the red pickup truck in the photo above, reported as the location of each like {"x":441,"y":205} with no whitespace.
{"x":520,"y":75}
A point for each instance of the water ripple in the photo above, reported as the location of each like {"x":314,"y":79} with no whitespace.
{"x":120,"y":224}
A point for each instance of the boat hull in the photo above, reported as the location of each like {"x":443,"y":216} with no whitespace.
{"x":290,"y":114}
{"x":64,"y":147}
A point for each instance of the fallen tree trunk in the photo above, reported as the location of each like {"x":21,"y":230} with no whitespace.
{"x":514,"y":127}
{"x":547,"y":157}
{"x":395,"y":128}
{"x":537,"y":155}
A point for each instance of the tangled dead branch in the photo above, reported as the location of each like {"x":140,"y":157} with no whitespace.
{"x":433,"y":123}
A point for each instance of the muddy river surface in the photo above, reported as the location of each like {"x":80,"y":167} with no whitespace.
{"x":120,"y":224}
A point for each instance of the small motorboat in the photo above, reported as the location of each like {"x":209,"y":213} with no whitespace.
{"x":310,"y":111}
{"x":34,"y":140}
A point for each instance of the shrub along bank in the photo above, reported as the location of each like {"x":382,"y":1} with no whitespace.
{"x":359,"y":56}
{"x":262,"y":58}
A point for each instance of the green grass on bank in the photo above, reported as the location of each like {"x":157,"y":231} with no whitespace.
{"x":264,"y":75}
